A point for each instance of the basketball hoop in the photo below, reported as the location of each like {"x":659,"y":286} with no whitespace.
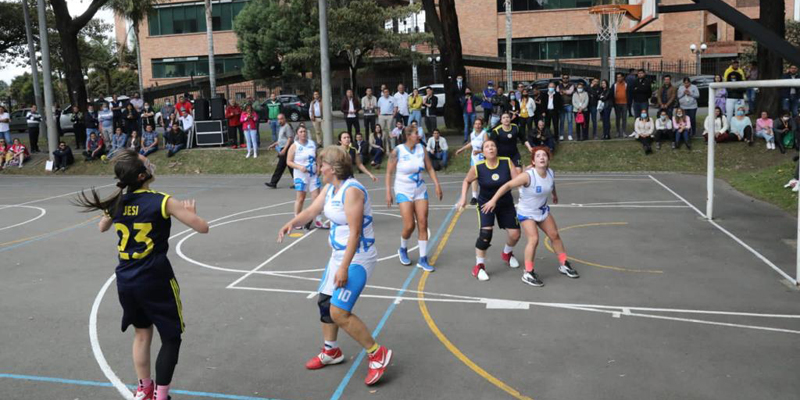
{"x":607,"y":19}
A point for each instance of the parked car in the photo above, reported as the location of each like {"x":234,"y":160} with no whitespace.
{"x":542,"y":83}
{"x":18,"y":122}
{"x":294,"y":107}
{"x":438,"y":91}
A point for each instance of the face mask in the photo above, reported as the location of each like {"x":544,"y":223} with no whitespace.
{"x":512,"y":97}
{"x":739,"y":113}
{"x":785,"y":118}
{"x":644,"y":116}
{"x":168,"y":103}
{"x":679,"y":115}
{"x":663,"y":117}
{"x":551,"y":90}
{"x":580,"y":90}
{"x":459,"y":80}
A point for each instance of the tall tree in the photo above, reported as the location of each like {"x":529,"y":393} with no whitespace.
{"x":135,"y":11}
{"x":772,"y":14}
{"x":68,"y":30}
{"x":12,"y":30}
{"x":444,"y":25}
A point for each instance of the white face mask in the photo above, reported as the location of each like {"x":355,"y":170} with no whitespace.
{"x":580,"y":90}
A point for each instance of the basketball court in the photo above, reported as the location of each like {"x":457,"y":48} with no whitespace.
{"x":668,"y":305}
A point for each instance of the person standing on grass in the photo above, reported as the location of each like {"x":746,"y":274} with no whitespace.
{"x":642,"y":91}
{"x":667,"y":96}
{"x":248,"y":120}
{"x":566,"y":89}
{"x":499,"y":107}
{"x":683,"y":129}
{"x":167,"y":111}
{"x":106,"y":118}
{"x":594,"y":96}
{"x":285,"y":139}
{"x":149,"y":141}
{"x":184,"y":105}
{"x":302,"y":158}
{"x":116,"y":108}
{"x":411,"y":195}
{"x":551,"y":107}
{"x":752,"y":75}
{"x":148,"y":116}
{"x":687,"y":100}
{"x":621,"y":96}
{"x":488,"y":95}
{"x":148,"y":291}
{"x":527,"y":109}
{"x":176,"y":140}
{"x":315,"y":115}
{"x":469,"y":107}
{"x":401,"y":105}
{"x":430,"y":106}
{"x":34,"y":119}
{"x":533,"y":213}
{"x":62,"y":157}
{"x":605,"y":104}
{"x":735,"y":96}
{"x":131,"y":118}
{"x":790,"y":97}
{"x":354,"y":256}
{"x":475,"y":145}
{"x":79,"y":128}
{"x":415,"y":107}
{"x":369,"y":103}
{"x":630,"y":81}
{"x":236,"y":134}
{"x":350,"y":108}
{"x":5,"y":128}
{"x":580,"y":107}
{"x":491,"y":174}
{"x":386,"y":111}
{"x":92,"y":122}
{"x":273,"y":111}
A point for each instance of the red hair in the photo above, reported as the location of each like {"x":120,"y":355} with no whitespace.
{"x":542,"y":148}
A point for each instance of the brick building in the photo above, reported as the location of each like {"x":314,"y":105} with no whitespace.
{"x":173,"y":38}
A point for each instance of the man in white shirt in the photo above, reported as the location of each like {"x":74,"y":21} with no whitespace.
{"x":401,"y":105}
{"x":5,"y":129}
{"x":315,"y":115}
{"x":350,"y":108}
{"x":386,"y":111}
{"x":437,"y":150}
{"x":187,"y":121}
{"x":368,"y":104}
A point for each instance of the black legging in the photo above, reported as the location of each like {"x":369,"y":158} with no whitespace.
{"x":551,"y":117}
{"x":33,"y":137}
{"x":167,"y":360}
{"x":280,"y":168}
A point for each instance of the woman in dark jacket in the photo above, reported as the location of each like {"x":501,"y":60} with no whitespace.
{"x":606,"y":96}
{"x":130,"y":118}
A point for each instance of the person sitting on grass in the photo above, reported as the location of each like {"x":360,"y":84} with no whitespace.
{"x":741,"y":128}
{"x":376,"y":146}
{"x":149,"y":142}
{"x":643,"y":131}
{"x":396,"y":134}
{"x":19,"y":154}
{"x":362,"y":148}
{"x":118,"y":142}
{"x":176,"y":140}
{"x":664,"y":129}
{"x":5,"y":152}
{"x":136,"y":142}
{"x":95,"y":148}
{"x":540,"y":136}
{"x":780,"y":128}
{"x":717,"y":125}
{"x":62,"y":157}
{"x":682,"y":124}
{"x":437,"y":150}
{"x":764,"y":129}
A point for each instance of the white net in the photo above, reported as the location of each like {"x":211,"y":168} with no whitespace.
{"x":607,"y":22}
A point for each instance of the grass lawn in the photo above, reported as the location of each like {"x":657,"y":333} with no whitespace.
{"x":752,"y":170}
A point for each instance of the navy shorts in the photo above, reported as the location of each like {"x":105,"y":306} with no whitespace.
{"x":157,"y":303}
{"x":505,"y":214}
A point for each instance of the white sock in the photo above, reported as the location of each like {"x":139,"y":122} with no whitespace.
{"x":474,"y":194}
{"x":423,"y":248}
{"x":331,"y":344}
{"x":507,"y":249}
{"x":403,"y":243}
{"x":480,"y":260}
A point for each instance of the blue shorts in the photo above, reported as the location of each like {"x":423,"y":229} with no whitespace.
{"x":346,"y":297}
{"x":412,"y":197}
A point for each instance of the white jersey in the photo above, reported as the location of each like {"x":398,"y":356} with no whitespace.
{"x":476,"y":140}
{"x":306,"y":155}
{"x":533,"y":198}
{"x":366,"y":254}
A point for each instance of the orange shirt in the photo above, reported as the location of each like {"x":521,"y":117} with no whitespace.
{"x":620,"y":94}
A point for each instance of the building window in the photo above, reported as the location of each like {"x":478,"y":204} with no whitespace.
{"x":567,"y":47}
{"x":534,"y":5}
{"x":194,"y":66}
{"x":191,"y":18}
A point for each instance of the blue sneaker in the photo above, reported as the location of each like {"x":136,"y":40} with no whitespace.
{"x":403,"y":253}
{"x":423,"y":263}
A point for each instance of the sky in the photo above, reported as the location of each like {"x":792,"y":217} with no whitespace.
{"x":76,"y":7}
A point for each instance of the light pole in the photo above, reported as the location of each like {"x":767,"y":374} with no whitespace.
{"x":698,"y":52}
{"x":434,"y":62}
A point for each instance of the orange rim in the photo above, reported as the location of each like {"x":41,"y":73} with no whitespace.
{"x":632,"y":11}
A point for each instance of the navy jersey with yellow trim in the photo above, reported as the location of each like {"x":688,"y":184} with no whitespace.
{"x":143,"y":226}
{"x":491,"y":179}
{"x":506,"y":140}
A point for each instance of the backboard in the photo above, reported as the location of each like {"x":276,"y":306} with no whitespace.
{"x":649,"y":14}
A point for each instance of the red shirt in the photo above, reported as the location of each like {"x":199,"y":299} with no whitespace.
{"x":185,"y":105}
{"x":232,"y":113}
{"x":16,"y":148}
{"x":4,"y":149}
{"x":249,"y":120}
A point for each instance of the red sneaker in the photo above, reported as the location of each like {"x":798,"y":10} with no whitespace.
{"x":479,"y":271}
{"x":510,"y":260}
{"x":378,"y":362}
{"x":242,"y":146}
{"x":325,"y":357}
{"x":234,"y":147}
{"x":145,"y":393}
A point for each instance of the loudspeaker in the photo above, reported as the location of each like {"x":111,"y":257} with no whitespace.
{"x":218,"y":108}
{"x":201,"y":110}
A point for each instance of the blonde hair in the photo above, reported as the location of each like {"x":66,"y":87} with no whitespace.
{"x":339,"y":160}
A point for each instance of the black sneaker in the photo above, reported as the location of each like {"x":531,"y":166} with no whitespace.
{"x":473,"y":202}
{"x":532,"y":279}
{"x":271,"y":185}
{"x":567,"y":270}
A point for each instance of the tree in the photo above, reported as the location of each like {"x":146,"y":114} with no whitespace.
{"x":12,"y":30}
{"x":68,"y":30}
{"x":135,"y":11}
{"x":770,"y":65}
{"x":444,"y":26}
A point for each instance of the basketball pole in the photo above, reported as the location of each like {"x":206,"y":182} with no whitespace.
{"x":710,"y":167}
{"x":325,"y":72}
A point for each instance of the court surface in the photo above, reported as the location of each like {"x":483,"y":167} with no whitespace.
{"x":668,"y":305}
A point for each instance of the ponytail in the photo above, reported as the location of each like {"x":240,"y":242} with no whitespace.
{"x":127,"y":168}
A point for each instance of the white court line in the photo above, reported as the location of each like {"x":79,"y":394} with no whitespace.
{"x":95,"y":343}
{"x":731,"y":235}
{"x":632,"y":202}
{"x":372,"y":296}
{"x":51,"y":197}
{"x":42,"y":212}
{"x":611,"y":206}
{"x":274,"y":256}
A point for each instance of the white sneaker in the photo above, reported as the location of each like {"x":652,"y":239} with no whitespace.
{"x":561,"y":137}
{"x":248,"y":155}
{"x":791,"y":183}
{"x":482,"y":275}
{"x":768,"y":146}
{"x":569,"y":137}
{"x":796,"y":188}
{"x":255,"y":154}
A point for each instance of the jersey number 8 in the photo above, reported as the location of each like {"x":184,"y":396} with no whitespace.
{"x":344,"y":295}
{"x":142,"y":229}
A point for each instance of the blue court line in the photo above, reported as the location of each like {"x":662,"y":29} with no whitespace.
{"x":109,"y":385}
{"x":431,"y":244}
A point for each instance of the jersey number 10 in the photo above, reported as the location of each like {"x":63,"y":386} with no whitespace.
{"x":142,"y":229}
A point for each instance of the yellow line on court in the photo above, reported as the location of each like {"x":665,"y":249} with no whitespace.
{"x":442,"y":338}
{"x":549,"y":247}
{"x":47,"y":233}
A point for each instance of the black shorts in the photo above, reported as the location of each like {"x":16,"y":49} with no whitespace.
{"x":515,"y":158}
{"x":506,"y":215}
{"x":157,"y":303}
